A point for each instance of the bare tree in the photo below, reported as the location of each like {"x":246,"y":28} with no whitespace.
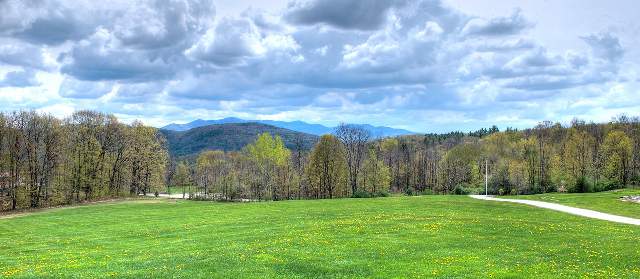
{"x":16,"y":158}
{"x":355,"y":140}
{"x":542,"y":131}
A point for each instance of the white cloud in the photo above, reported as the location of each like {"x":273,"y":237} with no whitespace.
{"x":314,"y":59}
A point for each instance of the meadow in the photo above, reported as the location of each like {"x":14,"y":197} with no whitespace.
{"x":399,"y":237}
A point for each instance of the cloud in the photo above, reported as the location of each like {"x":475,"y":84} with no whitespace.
{"x":344,"y":14}
{"x":518,"y":44}
{"x":78,"y":89}
{"x":238,"y":41}
{"x":231,"y":42}
{"x":322,"y":59}
{"x":22,"y":78}
{"x":163,"y":24}
{"x":501,"y":26}
{"x":211,"y":86}
{"x":605,"y":46}
{"x":16,"y":53}
{"x":139,"y":92}
{"x":47,"y":22}
{"x":98,"y":59}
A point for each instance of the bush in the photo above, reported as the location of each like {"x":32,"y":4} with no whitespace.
{"x":408,"y":191}
{"x":583,"y":185}
{"x":607,"y":185}
{"x":460,"y":190}
{"x":381,"y":194}
{"x":474,"y":190}
{"x":360,"y":194}
{"x":537,"y":189}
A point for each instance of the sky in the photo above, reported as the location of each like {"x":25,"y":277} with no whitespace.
{"x":421,"y":65}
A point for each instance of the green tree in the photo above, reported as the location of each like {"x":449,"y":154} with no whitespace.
{"x":268,"y":154}
{"x":375,"y":175}
{"x":182,"y":177}
{"x":211,"y":167}
{"x":456,"y":166}
{"x":577,"y":158}
{"x":616,"y":150}
{"x":327,"y":169}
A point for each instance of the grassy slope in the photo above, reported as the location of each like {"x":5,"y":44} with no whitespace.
{"x":452,"y":236}
{"x":608,"y":202}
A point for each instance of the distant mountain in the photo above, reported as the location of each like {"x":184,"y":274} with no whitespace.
{"x":200,"y":123}
{"x":228,"y":137}
{"x":300,"y":126}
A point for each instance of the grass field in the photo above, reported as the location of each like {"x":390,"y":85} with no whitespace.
{"x":608,"y":202}
{"x":395,"y":237}
{"x":177,"y":190}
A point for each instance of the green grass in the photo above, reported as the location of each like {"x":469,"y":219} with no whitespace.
{"x":395,"y":237}
{"x":608,"y":202}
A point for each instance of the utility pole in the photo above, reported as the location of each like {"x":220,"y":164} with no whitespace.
{"x":486,"y":178}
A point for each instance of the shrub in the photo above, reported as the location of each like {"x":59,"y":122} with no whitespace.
{"x":408,"y":191}
{"x":460,"y":190}
{"x":381,"y":194}
{"x":360,"y":194}
{"x":474,"y":190}
{"x":606,"y":185}
{"x":583,"y":185}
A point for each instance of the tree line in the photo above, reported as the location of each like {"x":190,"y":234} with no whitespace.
{"x":580,"y":157}
{"x":45,"y":161}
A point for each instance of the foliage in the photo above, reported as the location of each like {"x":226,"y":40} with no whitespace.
{"x":46,"y":161}
{"x":271,"y":161}
{"x":366,"y":194}
{"x":460,"y":190}
{"x":375,"y":176}
{"x":617,"y":149}
{"x":327,"y":169}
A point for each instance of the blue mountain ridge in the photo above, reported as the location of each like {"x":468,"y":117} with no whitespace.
{"x":299,"y":126}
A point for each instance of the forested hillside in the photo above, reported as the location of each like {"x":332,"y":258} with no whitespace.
{"x":45,"y":161}
{"x":229,"y":137}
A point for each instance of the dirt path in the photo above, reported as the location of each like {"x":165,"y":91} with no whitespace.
{"x":567,"y":209}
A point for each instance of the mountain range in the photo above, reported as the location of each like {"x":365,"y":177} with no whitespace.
{"x":299,"y":126}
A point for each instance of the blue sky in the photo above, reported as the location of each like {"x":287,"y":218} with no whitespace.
{"x":425,"y":65}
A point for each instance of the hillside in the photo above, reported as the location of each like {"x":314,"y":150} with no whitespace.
{"x":299,"y":126}
{"x":228,"y":137}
